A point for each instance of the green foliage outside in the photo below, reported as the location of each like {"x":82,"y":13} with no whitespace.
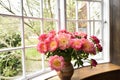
{"x":10,"y":64}
{"x":10,"y":61}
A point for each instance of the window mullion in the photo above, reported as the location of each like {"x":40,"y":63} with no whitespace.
{"x":89,"y":22}
{"x":23,"y":41}
{"x":58,"y":15}
{"x":41,"y":15}
{"x":42,"y":31}
{"x":63,"y":14}
{"x":76,"y":10}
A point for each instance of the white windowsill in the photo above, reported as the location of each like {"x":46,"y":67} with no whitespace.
{"x":46,"y":75}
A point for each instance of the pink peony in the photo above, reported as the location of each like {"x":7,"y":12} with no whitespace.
{"x":93,"y":62}
{"x":64,"y":40}
{"x":76,"y":44}
{"x":42,"y":47}
{"x":95,"y":39}
{"x":42,"y":37}
{"x":51,"y":34}
{"x":62,"y":31}
{"x":52,"y":45}
{"x":99,"y":47}
{"x":81,"y":34}
{"x":56,"y":62}
{"x":88,"y":46}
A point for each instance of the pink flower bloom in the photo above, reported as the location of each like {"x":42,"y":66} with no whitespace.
{"x":52,"y":45}
{"x":88,"y":46}
{"x":95,"y":39}
{"x":93,"y":62}
{"x":76,"y":44}
{"x":62,"y":31}
{"x":99,"y":47}
{"x":42,"y":37}
{"x":56,"y":62}
{"x":52,"y":34}
{"x":63,"y":40}
{"x":42,"y":47}
{"x":81,"y":34}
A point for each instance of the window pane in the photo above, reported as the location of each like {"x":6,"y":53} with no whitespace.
{"x":82,"y":10}
{"x":49,"y":8}
{"x":33,"y":60}
{"x":70,"y":9}
{"x":32,"y":8}
{"x":9,"y":32}
{"x":49,"y":25}
{"x":82,"y":26}
{"x":10,"y":65}
{"x":95,"y":11}
{"x":71,"y":26}
{"x":32,"y":31}
{"x":97,"y":29}
{"x":12,"y":7}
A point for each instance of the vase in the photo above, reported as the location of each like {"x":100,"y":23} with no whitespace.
{"x":66,"y":72}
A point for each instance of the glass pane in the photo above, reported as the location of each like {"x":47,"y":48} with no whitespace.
{"x":31,"y":8}
{"x":33,"y":60}
{"x":70,"y":12}
{"x":95,"y":10}
{"x":71,"y":26}
{"x":11,"y":7}
{"x":49,"y":25}
{"x":10,"y":65}
{"x":32,"y":31}
{"x":9,"y":32}
{"x":49,"y":8}
{"x":82,"y":26}
{"x":82,"y":10}
{"x":96,"y":29}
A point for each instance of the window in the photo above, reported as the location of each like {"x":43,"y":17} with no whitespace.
{"x":90,"y":16}
{"x":22,"y":21}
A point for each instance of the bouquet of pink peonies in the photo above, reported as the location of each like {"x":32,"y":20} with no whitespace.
{"x":63,"y":46}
